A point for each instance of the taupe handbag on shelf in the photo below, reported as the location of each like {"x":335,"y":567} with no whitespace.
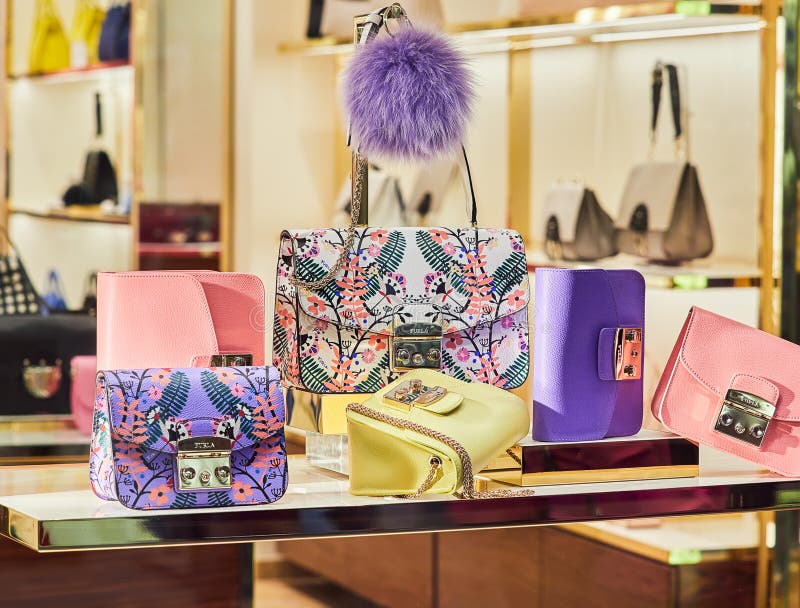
{"x":577,"y":227}
{"x":663,"y":216}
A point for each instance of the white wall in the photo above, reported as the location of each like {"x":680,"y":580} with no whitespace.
{"x":591,"y":113}
{"x":285,"y":135}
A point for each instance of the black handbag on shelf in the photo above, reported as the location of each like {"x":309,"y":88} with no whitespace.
{"x":99,"y":181}
{"x":37,"y":345}
{"x":18,"y":296}
{"x":34,"y":361}
{"x":663,"y":216}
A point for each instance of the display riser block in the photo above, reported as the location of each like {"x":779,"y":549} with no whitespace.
{"x":646,"y":455}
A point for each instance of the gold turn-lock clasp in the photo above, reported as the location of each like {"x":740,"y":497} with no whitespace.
{"x":414,"y":393}
{"x":745,"y":416}
{"x":204,"y":463}
{"x":628,"y":353}
{"x":416,"y":345}
{"x":231,"y":360}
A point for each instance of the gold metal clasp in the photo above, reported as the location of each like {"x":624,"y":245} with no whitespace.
{"x":628,"y":353}
{"x":416,"y":344}
{"x":204,"y":463}
{"x":745,"y":416}
{"x":413,"y":393}
{"x":231,"y":360}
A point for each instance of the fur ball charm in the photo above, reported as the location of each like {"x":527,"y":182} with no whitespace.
{"x":409,"y":96}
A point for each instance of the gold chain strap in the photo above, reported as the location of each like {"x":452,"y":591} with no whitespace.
{"x":355,"y":211}
{"x":468,"y":486}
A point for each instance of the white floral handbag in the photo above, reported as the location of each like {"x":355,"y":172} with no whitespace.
{"x":356,"y":307}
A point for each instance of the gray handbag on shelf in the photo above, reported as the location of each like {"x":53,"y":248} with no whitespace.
{"x":577,"y":227}
{"x":663,"y":216}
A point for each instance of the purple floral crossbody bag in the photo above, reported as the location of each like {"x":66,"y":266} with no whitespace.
{"x":189,"y":437}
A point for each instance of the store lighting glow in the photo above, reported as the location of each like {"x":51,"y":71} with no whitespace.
{"x":571,"y":28}
{"x":753,"y":26}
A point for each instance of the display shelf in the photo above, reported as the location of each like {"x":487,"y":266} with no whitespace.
{"x":88,"y":73}
{"x":184,"y":250}
{"x":689,"y":540}
{"x":562,"y":30}
{"x":53,"y":446}
{"x":318,"y":504}
{"x":75,"y":214}
{"x":698,"y":274}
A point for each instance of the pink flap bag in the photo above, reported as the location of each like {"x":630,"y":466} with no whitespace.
{"x":734,"y":388}
{"x":83,"y":369}
{"x":179,"y":319}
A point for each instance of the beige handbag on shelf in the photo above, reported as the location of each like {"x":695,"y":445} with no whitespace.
{"x":663,"y":216}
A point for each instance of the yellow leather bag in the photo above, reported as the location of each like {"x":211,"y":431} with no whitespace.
{"x":49,"y":50}
{"x":428,"y":432}
{"x":85,"y":33}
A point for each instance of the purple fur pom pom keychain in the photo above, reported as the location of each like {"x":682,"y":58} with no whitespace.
{"x":409,"y":96}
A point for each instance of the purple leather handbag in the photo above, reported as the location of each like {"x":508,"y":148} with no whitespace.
{"x":188,"y":438}
{"x":588,"y":354}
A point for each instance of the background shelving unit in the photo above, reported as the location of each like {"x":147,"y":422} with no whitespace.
{"x":155,"y":133}
{"x":565,"y":96}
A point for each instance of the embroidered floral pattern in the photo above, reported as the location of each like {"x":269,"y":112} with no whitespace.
{"x":141,"y":415}
{"x":335,"y":339}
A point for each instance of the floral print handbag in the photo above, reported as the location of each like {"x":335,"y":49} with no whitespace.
{"x":356,"y":307}
{"x":189,"y":438}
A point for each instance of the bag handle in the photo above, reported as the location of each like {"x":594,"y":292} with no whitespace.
{"x":372,"y":25}
{"x":374,"y":22}
{"x":675,"y":102}
{"x":468,"y":485}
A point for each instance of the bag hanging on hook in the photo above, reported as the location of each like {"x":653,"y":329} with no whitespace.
{"x":408,"y":93}
{"x":356,"y":307}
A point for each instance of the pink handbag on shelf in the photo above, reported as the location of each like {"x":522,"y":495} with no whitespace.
{"x":83,"y":369}
{"x":179,"y":319}
{"x":734,"y":388}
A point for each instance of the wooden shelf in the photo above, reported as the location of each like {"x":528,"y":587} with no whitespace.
{"x":698,"y":274}
{"x":92,"y":72}
{"x":75,"y":214}
{"x":635,"y":22}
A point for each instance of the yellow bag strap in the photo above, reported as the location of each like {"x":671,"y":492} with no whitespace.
{"x":468,"y":485}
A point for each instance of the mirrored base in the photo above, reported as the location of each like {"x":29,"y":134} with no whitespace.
{"x":647,"y":455}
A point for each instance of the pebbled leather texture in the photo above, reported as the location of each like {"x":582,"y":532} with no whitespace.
{"x":167,"y":319}
{"x":575,"y":397}
{"x":714,"y":353}
{"x":140,"y":416}
{"x":83,"y":369}
{"x":336,"y":339}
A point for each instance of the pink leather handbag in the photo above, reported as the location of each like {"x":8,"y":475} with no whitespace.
{"x":179,"y":319}
{"x":735,"y":388}
{"x":83,"y":369}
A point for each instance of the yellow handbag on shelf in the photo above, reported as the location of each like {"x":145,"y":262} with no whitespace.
{"x":428,"y":432}
{"x":85,"y":33}
{"x":49,"y":50}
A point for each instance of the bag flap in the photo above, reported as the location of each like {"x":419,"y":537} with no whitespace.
{"x":485,"y":420}
{"x":472,"y":275}
{"x":154,"y":408}
{"x":564,"y":202}
{"x":654,"y":185}
{"x":722,"y":353}
{"x":167,"y":318}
